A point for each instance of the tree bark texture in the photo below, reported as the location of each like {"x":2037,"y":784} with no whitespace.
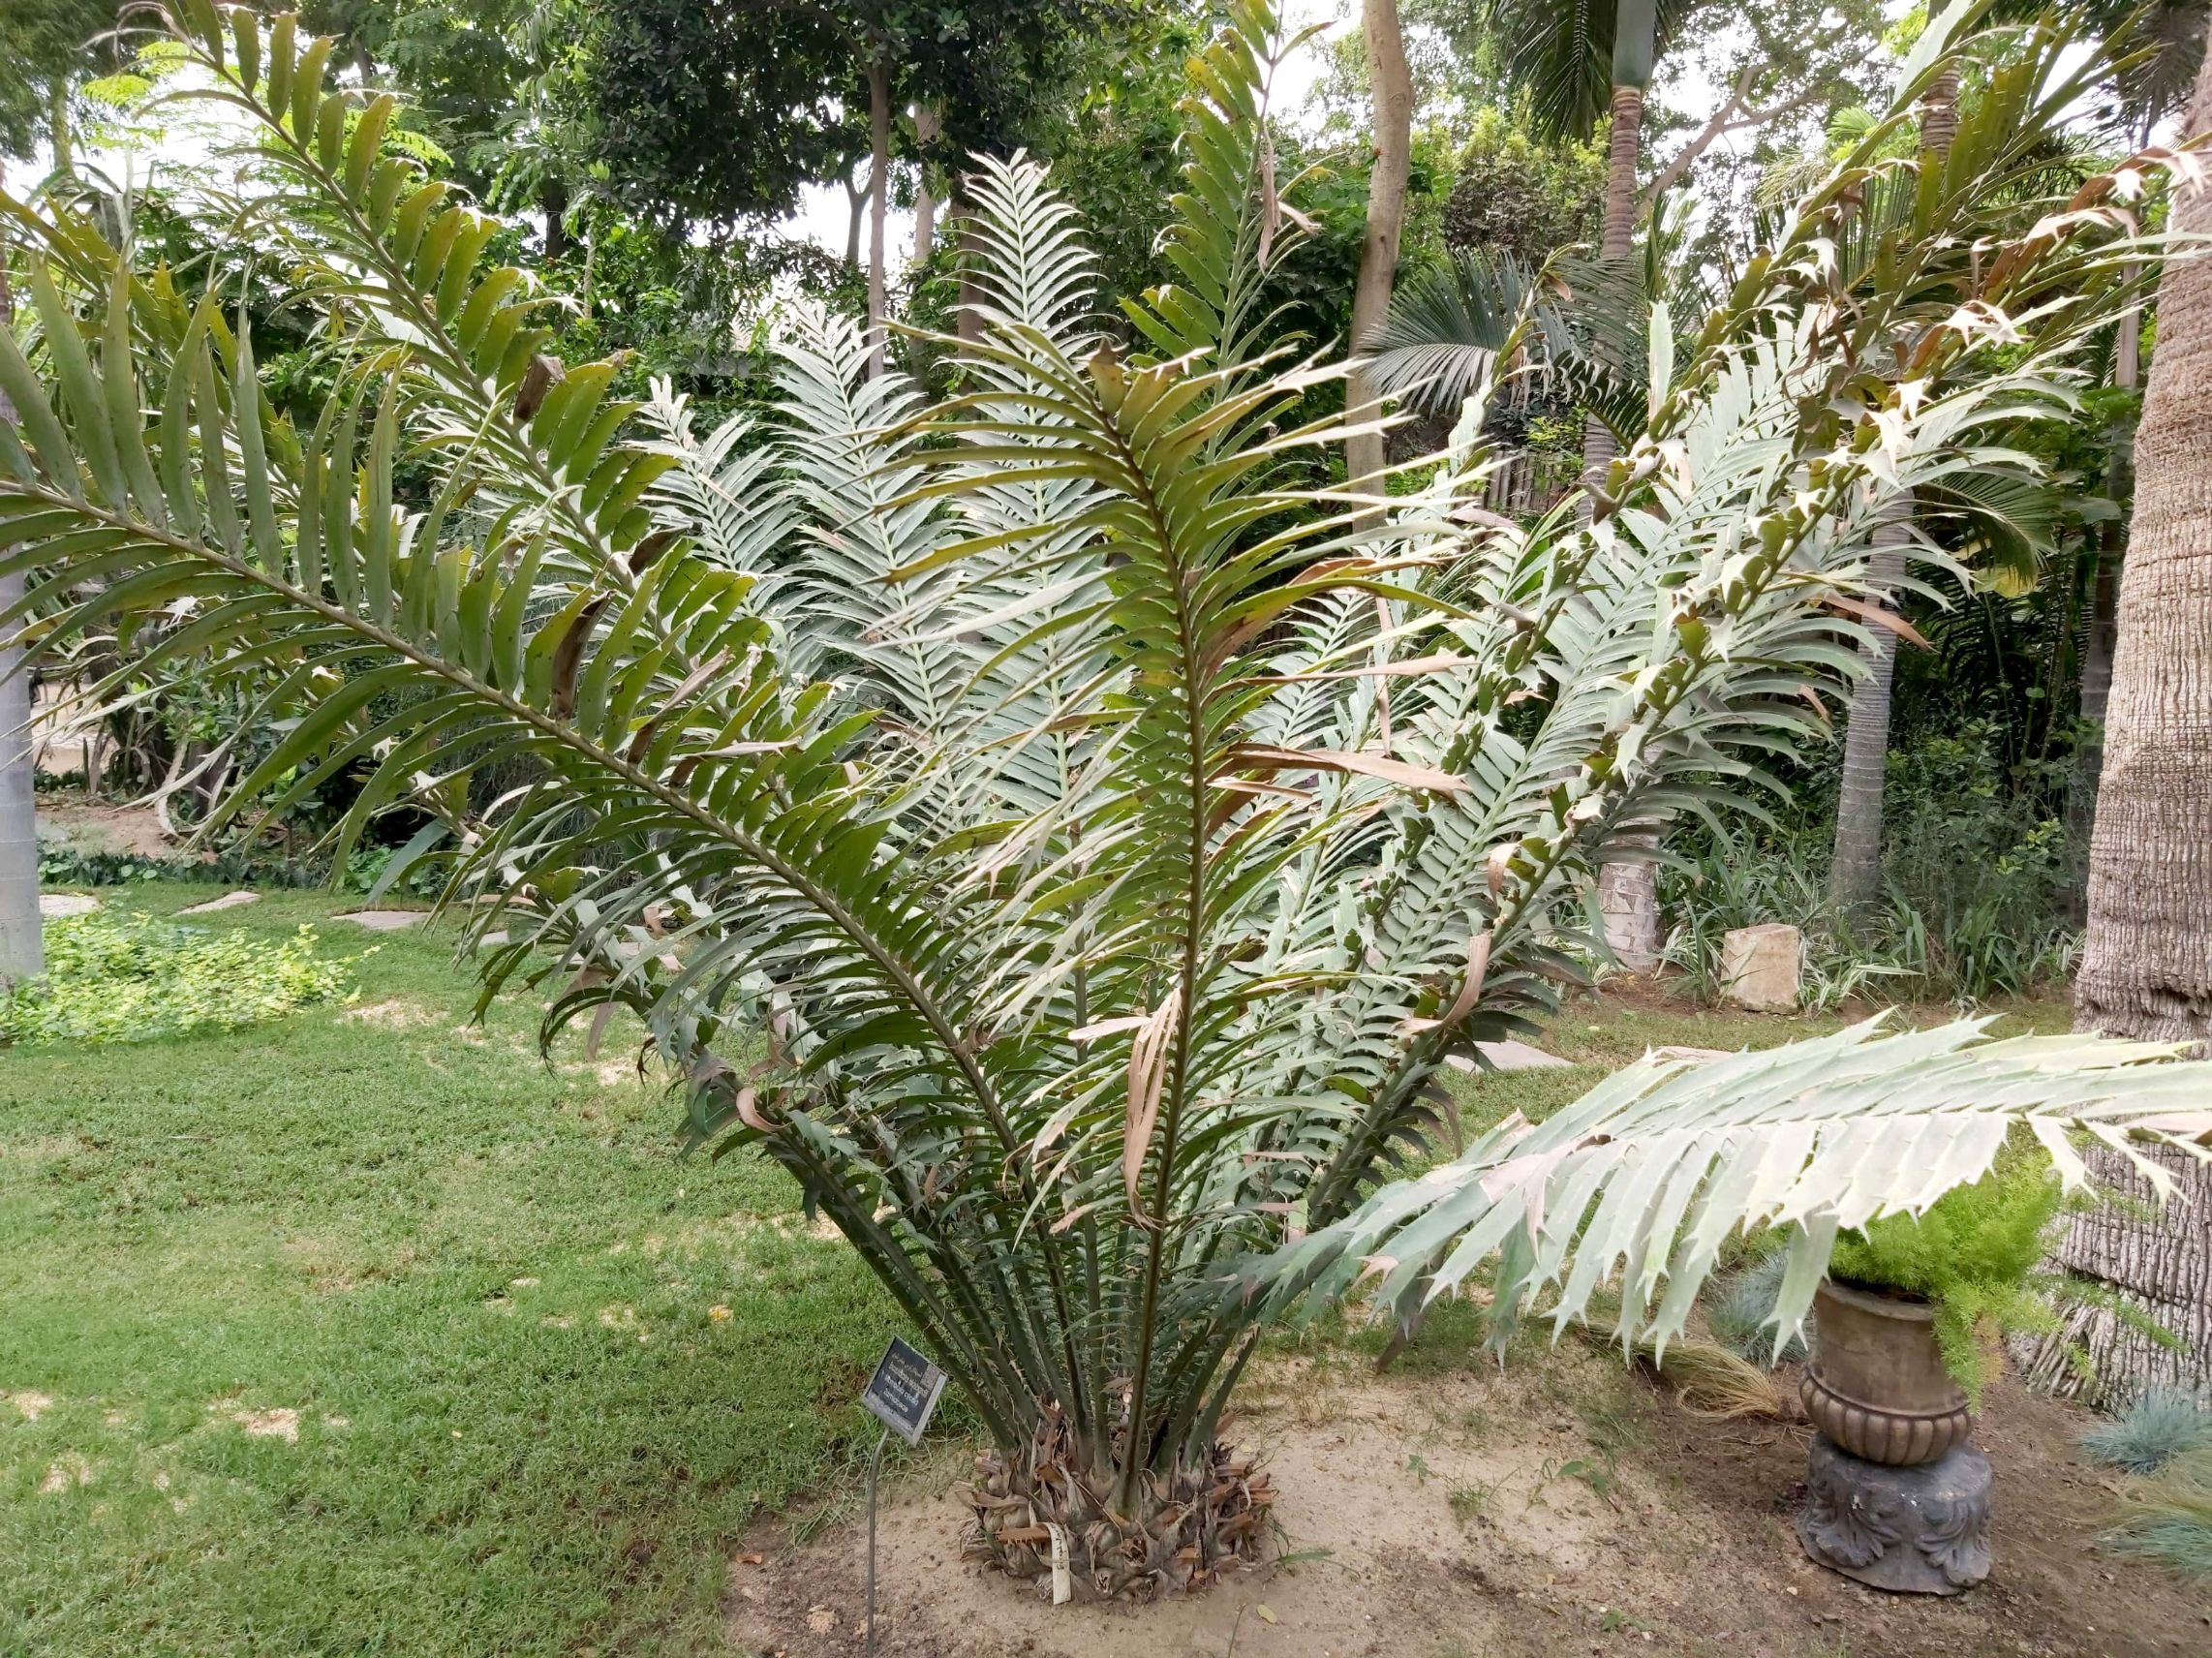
{"x":57,"y":114}
{"x":2159,"y":1261}
{"x":1855,"y":872}
{"x":21,"y":954}
{"x":553,"y":202}
{"x":1392,"y":83}
{"x":1628,"y":891}
{"x":928,"y":124}
{"x":879,"y":202}
{"x":1617,"y":241}
{"x":2146,"y":966}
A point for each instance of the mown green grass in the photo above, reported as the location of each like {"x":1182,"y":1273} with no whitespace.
{"x":488,"y":1291}
{"x":329,"y":1216}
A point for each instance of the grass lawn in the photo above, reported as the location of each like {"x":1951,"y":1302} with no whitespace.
{"x":365,"y":1332}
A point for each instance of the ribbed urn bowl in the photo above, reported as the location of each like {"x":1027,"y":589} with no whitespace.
{"x":1876,"y":1385}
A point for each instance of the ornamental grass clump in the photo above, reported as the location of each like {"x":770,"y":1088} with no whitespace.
{"x":1045,"y":819}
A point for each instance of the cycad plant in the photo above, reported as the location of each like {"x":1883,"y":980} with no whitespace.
{"x":1039,"y":819}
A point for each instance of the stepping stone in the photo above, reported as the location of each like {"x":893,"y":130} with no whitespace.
{"x":55,"y":905}
{"x":383,"y":920}
{"x":229,"y":900}
{"x":1508,"y":1056}
{"x":493,"y":940}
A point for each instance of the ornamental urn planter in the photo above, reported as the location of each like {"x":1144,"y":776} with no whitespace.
{"x":1894,"y":1496}
{"x":1876,"y":1383}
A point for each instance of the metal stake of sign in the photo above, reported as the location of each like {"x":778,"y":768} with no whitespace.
{"x":903,"y":1394}
{"x":874,"y":1462}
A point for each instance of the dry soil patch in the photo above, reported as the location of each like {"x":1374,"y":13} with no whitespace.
{"x":1433,"y":1517}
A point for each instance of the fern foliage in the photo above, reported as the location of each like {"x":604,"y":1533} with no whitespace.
{"x":1039,"y":818}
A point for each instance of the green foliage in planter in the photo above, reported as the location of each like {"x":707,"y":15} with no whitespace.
{"x":132,"y":979}
{"x":1974,"y":1255}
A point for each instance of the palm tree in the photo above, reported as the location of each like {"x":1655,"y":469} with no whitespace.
{"x":1581,"y":62}
{"x":1855,"y":867}
{"x":2146,"y":966}
{"x":1038,"y":821}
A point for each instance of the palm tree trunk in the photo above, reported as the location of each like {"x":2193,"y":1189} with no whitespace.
{"x":880,"y":186}
{"x":2146,"y":967}
{"x":1855,"y":872}
{"x":21,"y":955}
{"x":1628,"y":890}
{"x":1366,"y":454}
{"x":1617,"y":241}
{"x":57,"y":121}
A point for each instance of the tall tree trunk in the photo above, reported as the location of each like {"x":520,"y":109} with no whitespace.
{"x":928,"y":124}
{"x":879,"y":202}
{"x":1366,"y":454}
{"x":57,"y":126}
{"x":2103,"y":629}
{"x":1617,"y":241}
{"x":1628,"y":890}
{"x":21,"y":949}
{"x":856,"y":209}
{"x":2146,"y":967}
{"x":553,"y":202}
{"x":1855,"y":872}
{"x":971,"y":328}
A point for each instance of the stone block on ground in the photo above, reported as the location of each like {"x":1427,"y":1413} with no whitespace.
{"x":52,"y":906}
{"x":1506,"y":1057}
{"x":1760,"y":967}
{"x":383,"y":920}
{"x":229,"y":900}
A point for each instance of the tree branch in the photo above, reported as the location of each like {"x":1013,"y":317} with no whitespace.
{"x":1734,"y":115}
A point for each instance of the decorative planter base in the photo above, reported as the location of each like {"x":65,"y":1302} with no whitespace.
{"x":1922,"y":1530}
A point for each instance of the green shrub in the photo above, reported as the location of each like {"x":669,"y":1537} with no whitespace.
{"x":130,"y":978}
{"x":2155,"y":1427}
{"x":1974,"y":1255}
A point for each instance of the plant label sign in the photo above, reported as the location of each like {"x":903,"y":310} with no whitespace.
{"x":903,"y":1391}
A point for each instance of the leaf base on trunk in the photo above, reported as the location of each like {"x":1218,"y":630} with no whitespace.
{"x":1193,"y":1525}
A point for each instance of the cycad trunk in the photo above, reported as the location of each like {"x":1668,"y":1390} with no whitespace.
{"x":1392,"y":82}
{"x":1855,"y":871}
{"x":1628,"y":891}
